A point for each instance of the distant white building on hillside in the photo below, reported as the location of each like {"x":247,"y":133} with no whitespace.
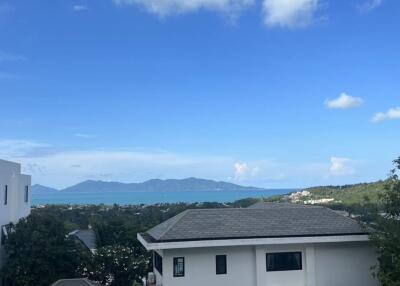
{"x":319,"y":201}
{"x":296,"y":196}
{"x":15,"y":199}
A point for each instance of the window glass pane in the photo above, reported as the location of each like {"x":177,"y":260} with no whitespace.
{"x":220,"y":263}
{"x":6,"y":195}
{"x":26,"y":198}
{"x":158,"y":262}
{"x":179,"y":267}
{"x":283,"y":261}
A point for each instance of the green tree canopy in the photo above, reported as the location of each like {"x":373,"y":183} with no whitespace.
{"x":39,"y":252}
{"x":387,"y":235}
{"x":117,"y":265}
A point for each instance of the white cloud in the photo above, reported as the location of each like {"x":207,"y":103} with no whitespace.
{"x":243,"y":171}
{"x":344,"y":101}
{"x":370,"y":5}
{"x":289,"y":13}
{"x":170,"y":7}
{"x":84,"y":135}
{"x":79,"y":8}
{"x":391,"y":114}
{"x":341,"y":166}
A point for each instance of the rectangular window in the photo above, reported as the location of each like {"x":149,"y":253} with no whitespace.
{"x":220,"y":264}
{"x":179,"y":266}
{"x":5,"y":195}
{"x":158,"y":262}
{"x":26,"y":198}
{"x":284,"y":261}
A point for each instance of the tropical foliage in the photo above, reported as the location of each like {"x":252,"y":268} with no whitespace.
{"x":39,"y":252}
{"x":387,"y":231}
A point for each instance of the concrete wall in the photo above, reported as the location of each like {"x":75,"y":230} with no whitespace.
{"x":200,"y":267}
{"x":16,"y":208}
{"x":324,"y":264}
{"x":347,"y":264}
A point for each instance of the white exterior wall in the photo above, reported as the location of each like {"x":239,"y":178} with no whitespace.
{"x":200,"y":266}
{"x":324,"y":264}
{"x":16,"y":208}
{"x":349,"y":264}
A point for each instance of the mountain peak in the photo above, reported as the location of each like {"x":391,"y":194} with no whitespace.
{"x":163,"y":185}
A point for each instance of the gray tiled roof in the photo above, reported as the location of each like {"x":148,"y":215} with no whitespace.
{"x":277,"y":221}
{"x":76,"y":282}
{"x":87,"y":236}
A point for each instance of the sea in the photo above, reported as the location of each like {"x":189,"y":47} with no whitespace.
{"x":148,"y":198}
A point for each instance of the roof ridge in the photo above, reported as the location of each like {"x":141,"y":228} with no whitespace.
{"x":181,"y":215}
{"x":346,"y":217}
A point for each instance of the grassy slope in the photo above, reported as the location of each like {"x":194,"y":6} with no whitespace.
{"x":349,"y":194}
{"x":345,"y":195}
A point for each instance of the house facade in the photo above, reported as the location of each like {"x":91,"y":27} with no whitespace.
{"x":15,"y":199}
{"x":267,"y":245}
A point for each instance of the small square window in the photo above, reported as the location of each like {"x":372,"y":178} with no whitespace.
{"x":220,"y":264}
{"x":283,"y":261}
{"x":179,"y":266}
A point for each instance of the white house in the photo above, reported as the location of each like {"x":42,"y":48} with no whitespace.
{"x":264,"y":245}
{"x":15,"y":199}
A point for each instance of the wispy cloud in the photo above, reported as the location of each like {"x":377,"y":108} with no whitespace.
{"x":244,"y":171}
{"x":391,"y":114}
{"x":289,"y":13}
{"x":84,"y":135}
{"x":165,"y":8}
{"x":341,"y":166}
{"x":9,"y":57}
{"x":370,"y":5}
{"x":344,"y":101}
{"x":60,"y":167}
{"x":79,"y":7}
{"x":20,"y":148}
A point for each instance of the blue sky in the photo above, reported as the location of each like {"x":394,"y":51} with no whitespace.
{"x":271,"y":93}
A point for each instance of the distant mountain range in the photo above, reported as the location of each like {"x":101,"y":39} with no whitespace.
{"x":189,"y":184}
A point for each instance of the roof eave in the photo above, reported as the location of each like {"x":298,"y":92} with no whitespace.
{"x":156,"y":245}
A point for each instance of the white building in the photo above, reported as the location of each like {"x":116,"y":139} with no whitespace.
{"x":266,"y":245}
{"x":15,"y":199}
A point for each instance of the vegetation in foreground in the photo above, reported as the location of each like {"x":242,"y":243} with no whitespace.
{"x":387,"y":231}
{"x":49,"y":254}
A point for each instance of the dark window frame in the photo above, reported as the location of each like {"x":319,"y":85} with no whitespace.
{"x":26,"y":194}
{"x":158,"y":262}
{"x":224,"y":269}
{"x":175,"y":269}
{"x":278,"y":265}
{"x":5,"y":195}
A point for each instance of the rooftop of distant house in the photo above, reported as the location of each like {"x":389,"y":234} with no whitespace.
{"x":262,"y":220}
{"x":75,"y":282}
